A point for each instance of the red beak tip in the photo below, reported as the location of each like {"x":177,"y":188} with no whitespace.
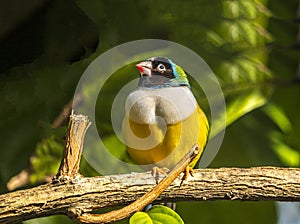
{"x":139,"y":67}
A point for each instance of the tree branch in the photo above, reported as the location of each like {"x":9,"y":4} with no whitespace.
{"x":87,"y":194}
{"x":69,"y":167}
{"x":76,"y":196}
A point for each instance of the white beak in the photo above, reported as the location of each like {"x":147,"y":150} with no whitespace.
{"x":144,"y":68}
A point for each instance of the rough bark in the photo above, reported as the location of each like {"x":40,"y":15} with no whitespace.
{"x":86,"y":194}
{"x":77,"y":128}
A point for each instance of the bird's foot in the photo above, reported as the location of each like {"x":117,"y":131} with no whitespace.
{"x":156,"y":171}
{"x":188,"y":171}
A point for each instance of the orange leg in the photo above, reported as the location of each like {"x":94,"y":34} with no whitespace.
{"x":188,"y":171}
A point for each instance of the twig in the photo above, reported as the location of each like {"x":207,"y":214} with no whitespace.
{"x":21,"y":179}
{"x":69,"y":167}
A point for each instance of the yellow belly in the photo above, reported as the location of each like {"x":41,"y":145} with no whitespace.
{"x":171,"y":147}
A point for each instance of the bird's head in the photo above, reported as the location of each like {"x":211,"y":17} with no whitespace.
{"x":160,"y":72}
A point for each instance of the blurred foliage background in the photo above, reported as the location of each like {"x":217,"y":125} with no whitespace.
{"x":253,"y":47}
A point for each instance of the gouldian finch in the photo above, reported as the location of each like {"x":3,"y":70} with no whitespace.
{"x":162,"y":117}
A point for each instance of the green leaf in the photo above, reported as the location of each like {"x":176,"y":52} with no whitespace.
{"x":158,"y":214}
{"x":47,"y":157}
{"x":278,"y":117}
{"x":243,"y":104}
{"x":231,"y":9}
{"x":162,"y":214}
{"x":249,"y":9}
{"x":288,"y":155}
{"x":140,"y":218}
{"x":215,"y":38}
{"x":249,"y":33}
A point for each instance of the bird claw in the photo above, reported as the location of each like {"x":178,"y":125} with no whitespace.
{"x":159,"y":170}
{"x":188,"y":171}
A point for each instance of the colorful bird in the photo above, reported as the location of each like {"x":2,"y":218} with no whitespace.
{"x":162,"y":117}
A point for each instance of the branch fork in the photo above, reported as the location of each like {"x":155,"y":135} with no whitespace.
{"x":69,"y":172}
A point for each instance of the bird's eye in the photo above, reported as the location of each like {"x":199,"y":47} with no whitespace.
{"x":161,"y":68}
